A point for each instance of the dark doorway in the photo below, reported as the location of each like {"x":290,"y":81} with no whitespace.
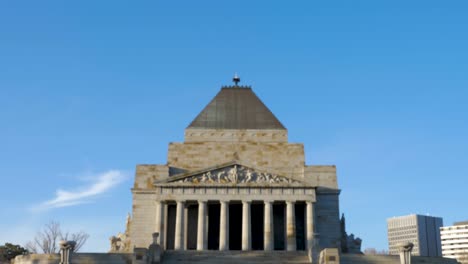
{"x":300,"y":226}
{"x":213,"y":226}
{"x":171,"y":218}
{"x":256,"y":223}
{"x":279,"y":226}
{"x":235,"y":226}
{"x":192,"y":220}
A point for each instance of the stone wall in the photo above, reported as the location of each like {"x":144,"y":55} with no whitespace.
{"x":143,"y":223}
{"x":76,"y":258}
{"x":37,"y":259}
{"x":236,"y":135}
{"x":327,"y":218}
{"x":323,"y":176}
{"x":280,"y":158}
{"x":146,"y":175}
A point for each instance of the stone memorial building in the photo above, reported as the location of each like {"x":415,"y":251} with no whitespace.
{"x":236,"y":183}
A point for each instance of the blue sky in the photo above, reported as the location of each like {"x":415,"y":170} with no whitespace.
{"x":89,"y":89}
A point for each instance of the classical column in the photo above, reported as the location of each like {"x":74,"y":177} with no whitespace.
{"x":185,"y":232}
{"x":290,"y":226}
{"x":179,"y":226}
{"x":201,"y":236}
{"x":160,"y":206}
{"x":246,"y":244}
{"x":310,"y":223}
{"x":224,"y":226}
{"x":268,"y":226}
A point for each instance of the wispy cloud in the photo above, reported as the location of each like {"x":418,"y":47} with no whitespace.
{"x":100,"y":183}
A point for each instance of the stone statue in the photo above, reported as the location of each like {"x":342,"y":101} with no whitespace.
{"x":127,"y":222}
{"x":66,"y":248}
{"x":121,"y":242}
{"x":113,"y":242}
{"x":405,"y":252}
{"x":349,"y":243}
{"x":248,"y":176}
{"x":204,"y":177}
{"x":232,"y":174}
{"x":220,"y":176}
{"x":353,"y":244}
{"x":154,"y":251}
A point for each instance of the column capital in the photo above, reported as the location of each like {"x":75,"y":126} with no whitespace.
{"x":290,"y":201}
{"x":159,"y":202}
{"x":309,"y":202}
{"x":202,"y":201}
{"x":246,"y":201}
{"x":268,"y":201}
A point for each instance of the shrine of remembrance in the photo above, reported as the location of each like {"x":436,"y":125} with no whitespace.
{"x":235,"y":183}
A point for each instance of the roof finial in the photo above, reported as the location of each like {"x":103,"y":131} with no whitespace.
{"x":236,"y":79}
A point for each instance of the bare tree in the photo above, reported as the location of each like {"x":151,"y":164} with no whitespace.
{"x":463,"y":257}
{"x":383,"y":252}
{"x":373,"y":251}
{"x":370,"y":251}
{"x":46,"y":241}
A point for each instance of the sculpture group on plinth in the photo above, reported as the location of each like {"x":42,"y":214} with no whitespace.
{"x":405,"y":252}
{"x":121,"y":242}
{"x":66,"y":248}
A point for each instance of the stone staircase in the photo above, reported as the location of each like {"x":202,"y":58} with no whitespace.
{"x":384,"y":259}
{"x":224,"y":257}
{"x":235,"y":257}
{"x":101,"y":258}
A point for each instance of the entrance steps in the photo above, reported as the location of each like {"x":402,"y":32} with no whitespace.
{"x":386,"y":259}
{"x":235,"y":257}
{"x":101,"y":258}
{"x":277,"y":257}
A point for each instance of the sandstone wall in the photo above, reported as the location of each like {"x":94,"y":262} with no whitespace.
{"x":236,"y":135}
{"x":323,"y":176}
{"x":145,"y":175}
{"x":143,"y":223}
{"x":328,"y":218}
{"x":280,"y":158}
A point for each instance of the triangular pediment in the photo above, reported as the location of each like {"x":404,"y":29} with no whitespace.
{"x":231,"y":173}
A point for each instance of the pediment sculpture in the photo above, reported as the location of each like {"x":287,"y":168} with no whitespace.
{"x":236,"y":174}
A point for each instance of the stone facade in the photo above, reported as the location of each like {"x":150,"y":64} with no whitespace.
{"x":236,"y":184}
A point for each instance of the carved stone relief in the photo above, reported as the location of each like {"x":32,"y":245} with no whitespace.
{"x":237,"y":174}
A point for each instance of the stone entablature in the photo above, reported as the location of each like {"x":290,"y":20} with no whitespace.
{"x":231,"y":193}
{"x":236,"y":135}
{"x":233,"y":182}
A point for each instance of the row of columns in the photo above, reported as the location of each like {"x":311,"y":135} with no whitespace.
{"x":202,"y":239}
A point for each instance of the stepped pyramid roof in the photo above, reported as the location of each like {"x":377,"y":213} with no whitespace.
{"x":236,"y":107}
